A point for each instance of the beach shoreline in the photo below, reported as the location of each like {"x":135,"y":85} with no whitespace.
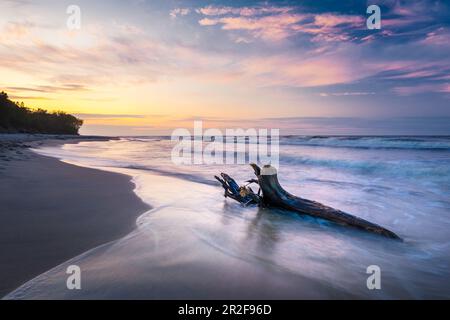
{"x":53,"y":211}
{"x":194,"y":244}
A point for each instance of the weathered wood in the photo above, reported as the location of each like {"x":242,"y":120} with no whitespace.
{"x":273,"y":195}
{"x":244,"y":195}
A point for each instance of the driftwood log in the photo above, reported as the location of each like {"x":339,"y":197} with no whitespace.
{"x":273,"y":195}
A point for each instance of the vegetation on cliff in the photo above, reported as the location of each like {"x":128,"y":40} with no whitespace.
{"x":15,"y":117}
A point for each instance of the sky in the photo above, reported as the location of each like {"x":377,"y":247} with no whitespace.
{"x":146,"y":67}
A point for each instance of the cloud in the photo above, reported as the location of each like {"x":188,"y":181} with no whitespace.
{"x":129,"y":29}
{"x":274,"y":27}
{"x":208,"y":22}
{"x":221,"y":49}
{"x":179,"y":12}
{"x":307,"y":70}
{"x":16,"y":30}
{"x":128,"y":59}
{"x":49,"y":89}
{"x":108,"y":116}
{"x":16,"y":3}
{"x":20,"y":98}
{"x":404,"y":70}
{"x":97,"y":58}
{"x":332,"y":20}
{"x":422,"y":88}
{"x":415,"y":8}
{"x":243,"y":11}
{"x":439,"y":37}
{"x":279,"y":23}
{"x":403,"y":17}
{"x":345,"y":94}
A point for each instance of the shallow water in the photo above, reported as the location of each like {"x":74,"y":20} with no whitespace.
{"x":196,"y":244}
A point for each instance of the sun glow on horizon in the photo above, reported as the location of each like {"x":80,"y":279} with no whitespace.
{"x":158,"y":63}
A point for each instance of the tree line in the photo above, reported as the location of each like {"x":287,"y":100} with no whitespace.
{"x":16,"y":118}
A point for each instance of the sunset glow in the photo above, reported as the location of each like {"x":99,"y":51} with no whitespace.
{"x":145,"y":67}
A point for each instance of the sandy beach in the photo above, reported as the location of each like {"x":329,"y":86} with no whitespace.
{"x":52,"y":211}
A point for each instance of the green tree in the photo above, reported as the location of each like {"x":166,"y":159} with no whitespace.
{"x":16,"y":117}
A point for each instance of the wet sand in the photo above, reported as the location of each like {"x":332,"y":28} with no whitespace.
{"x":51,"y":211}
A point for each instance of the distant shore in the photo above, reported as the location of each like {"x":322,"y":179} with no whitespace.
{"x":53,"y":211}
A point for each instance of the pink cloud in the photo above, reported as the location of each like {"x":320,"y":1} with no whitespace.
{"x":275,"y":24}
{"x":439,"y":37}
{"x":244,"y":11}
{"x":179,"y":12}
{"x":296,"y":71}
{"x":124,"y":57}
{"x":272,"y":27}
{"x":276,"y":27}
{"x":14,"y":30}
{"x":208,"y":22}
{"x":344,"y":94}
{"x":414,"y":74}
{"x":410,"y":69}
{"x":332,"y":20}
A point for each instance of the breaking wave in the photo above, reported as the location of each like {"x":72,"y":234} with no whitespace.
{"x":424,"y":143}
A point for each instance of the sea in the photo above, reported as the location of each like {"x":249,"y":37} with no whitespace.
{"x":195,"y":244}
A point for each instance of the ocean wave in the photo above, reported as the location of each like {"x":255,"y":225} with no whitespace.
{"x":363,"y":142}
{"x":439,"y":169}
{"x":424,"y":143}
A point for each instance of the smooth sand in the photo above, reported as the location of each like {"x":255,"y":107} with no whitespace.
{"x":51,"y":211}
